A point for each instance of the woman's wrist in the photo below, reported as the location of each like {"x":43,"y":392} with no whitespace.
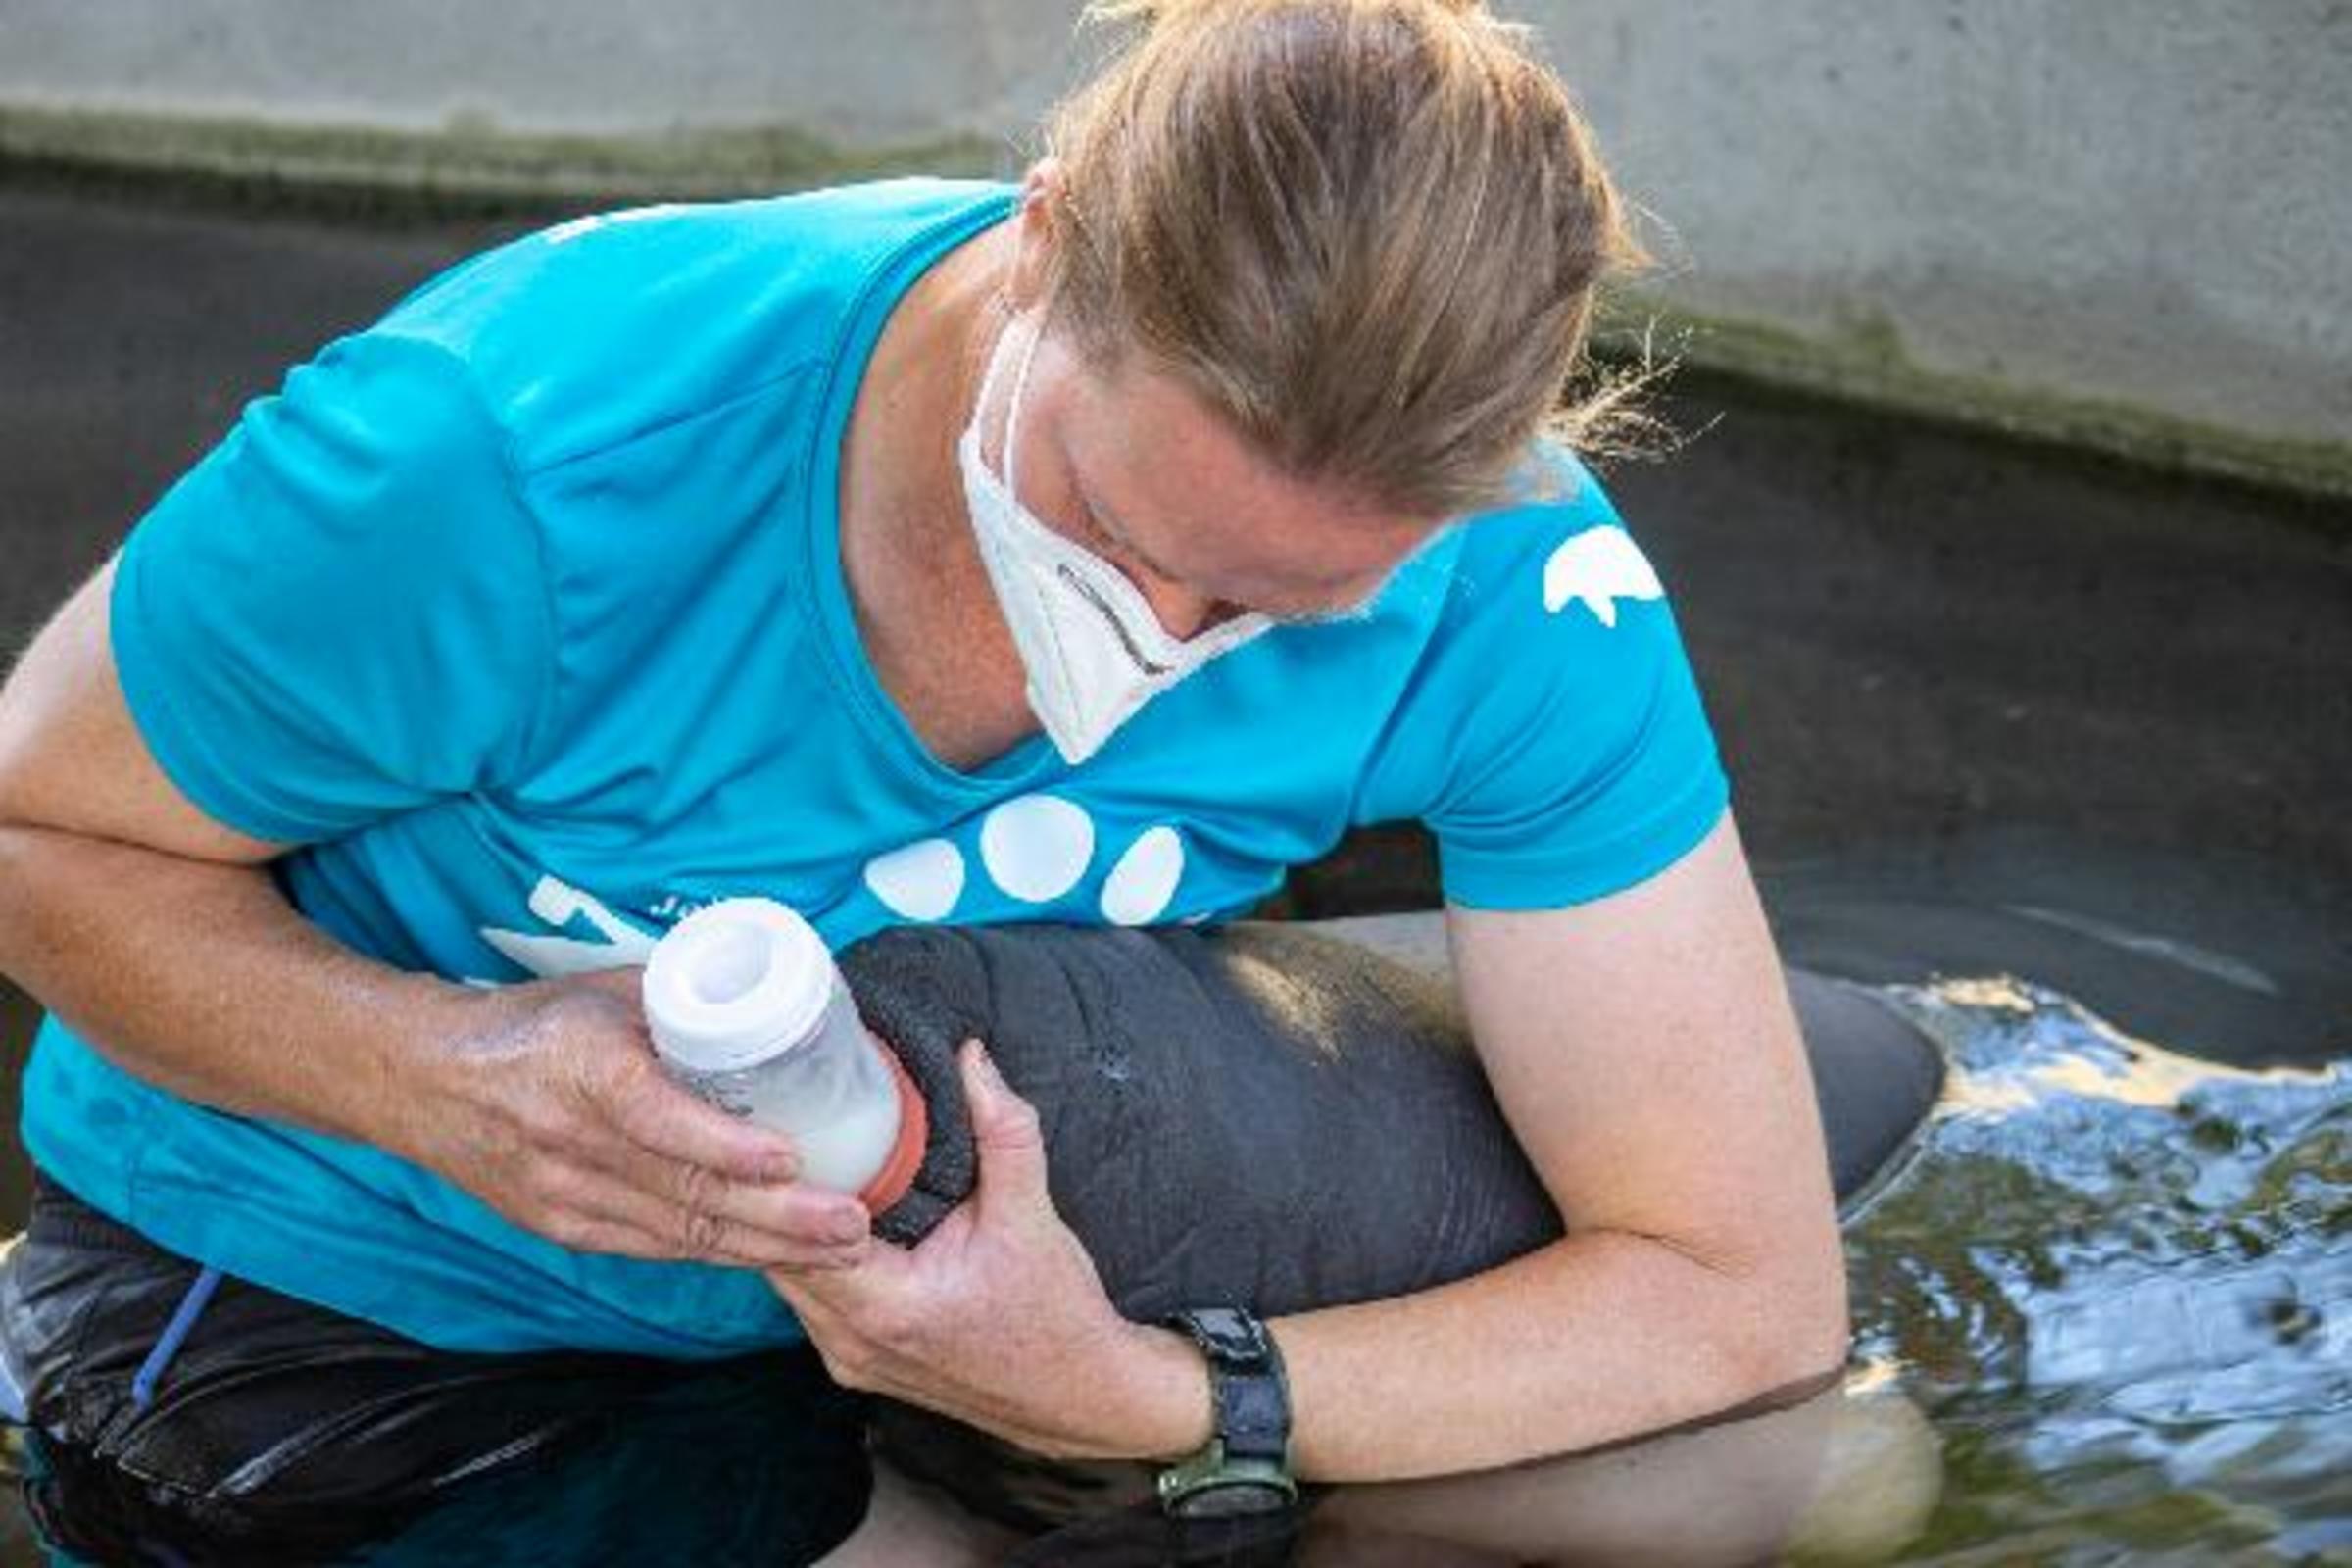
{"x":434,"y":1076}
{"x":1168,"y":1409}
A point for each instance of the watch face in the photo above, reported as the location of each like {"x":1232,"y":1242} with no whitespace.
{"x":1226,"y":1498}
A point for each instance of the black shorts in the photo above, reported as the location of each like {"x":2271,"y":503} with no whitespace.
{"x":282,"y":1431}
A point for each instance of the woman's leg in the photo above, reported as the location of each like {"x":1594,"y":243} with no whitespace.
{"x":1842,"y":1476}
{"x":908,"y":1522}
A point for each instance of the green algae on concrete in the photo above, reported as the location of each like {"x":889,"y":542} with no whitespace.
{"x":1867,"y":363}
{"x":469,"y":165}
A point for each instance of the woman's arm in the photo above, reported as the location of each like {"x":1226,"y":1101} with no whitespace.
{"x":1643,"y":1048}
{"x":159,"y":936}
{"x":1644,"y":1051}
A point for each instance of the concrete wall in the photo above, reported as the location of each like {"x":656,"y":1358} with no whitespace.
{"x":856,"y":69}
{"x":2126,"y":216}
{"x":2151,"y":203}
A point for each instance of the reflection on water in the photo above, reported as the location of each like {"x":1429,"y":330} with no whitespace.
{"x":2119,"y":1281}
{"x":2116,"y":1280}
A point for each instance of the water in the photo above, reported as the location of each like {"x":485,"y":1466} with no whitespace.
{"x":2119,"y":1281}
{"x":2114,"y":1278}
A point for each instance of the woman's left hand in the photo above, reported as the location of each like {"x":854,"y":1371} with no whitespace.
{"x":997,"y":1318}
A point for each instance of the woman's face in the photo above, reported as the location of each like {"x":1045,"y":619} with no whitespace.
{"x":1135,"y":468}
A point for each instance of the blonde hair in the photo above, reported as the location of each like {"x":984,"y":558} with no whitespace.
{"x":1367,"y":232}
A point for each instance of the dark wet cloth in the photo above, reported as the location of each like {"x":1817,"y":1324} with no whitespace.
{"x":1265,"y":1115}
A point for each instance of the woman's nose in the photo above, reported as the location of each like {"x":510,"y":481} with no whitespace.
{"x":1182,"y":612}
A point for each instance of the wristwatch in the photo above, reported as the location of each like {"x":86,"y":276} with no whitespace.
{"x":1245,"y":1465}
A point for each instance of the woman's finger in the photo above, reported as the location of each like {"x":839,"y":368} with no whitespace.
{"x":795,"y":1210}
{"x":658,"y":1116}
{"x":1008,"y":1144}
{"x":689,"y":1212}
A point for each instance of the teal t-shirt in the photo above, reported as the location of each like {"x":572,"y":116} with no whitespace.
{"x":521,"y":614}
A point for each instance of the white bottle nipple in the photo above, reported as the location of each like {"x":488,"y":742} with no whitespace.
{"x":736,"y":983}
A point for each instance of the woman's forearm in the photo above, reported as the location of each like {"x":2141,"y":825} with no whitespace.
{"x":1598,"y":1336}
{"x":542,"y":1098}
{"x":199,"y":976}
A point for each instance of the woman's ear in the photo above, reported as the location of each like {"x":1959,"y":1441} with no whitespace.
{"x":1044,"y":190}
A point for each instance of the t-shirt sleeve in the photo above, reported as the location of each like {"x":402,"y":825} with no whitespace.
{"x":340,"y":612}
{"x":1553,"y":740}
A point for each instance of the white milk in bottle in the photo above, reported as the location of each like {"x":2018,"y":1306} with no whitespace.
{"x":748,"y":1009}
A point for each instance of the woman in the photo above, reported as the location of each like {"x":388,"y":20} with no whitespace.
{"x":922,"y":551}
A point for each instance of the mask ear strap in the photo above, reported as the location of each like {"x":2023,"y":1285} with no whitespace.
{"x":988,"y":375}
{"x":1012,"y":414}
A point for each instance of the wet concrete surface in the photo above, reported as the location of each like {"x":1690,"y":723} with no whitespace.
{"x":1956,"y":677}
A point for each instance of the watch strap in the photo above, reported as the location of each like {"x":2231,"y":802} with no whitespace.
{"x":1249,"y":1392}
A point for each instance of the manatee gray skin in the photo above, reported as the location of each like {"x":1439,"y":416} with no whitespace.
{"x":1279,"y":1115}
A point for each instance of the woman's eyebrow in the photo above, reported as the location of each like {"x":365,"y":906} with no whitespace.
{"x":1109,"y":526}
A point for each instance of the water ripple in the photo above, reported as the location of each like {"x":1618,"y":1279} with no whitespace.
{"x":2120,"y":1278}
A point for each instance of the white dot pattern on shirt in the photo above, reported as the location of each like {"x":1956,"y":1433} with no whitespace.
{"x":1036,"y":846}
{"x":921,"y":881}
{"x":1139,"y":888}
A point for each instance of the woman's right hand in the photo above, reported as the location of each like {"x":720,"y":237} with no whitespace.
{"x":554,"y":1111}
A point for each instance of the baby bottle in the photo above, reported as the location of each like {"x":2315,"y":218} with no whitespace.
{"x":748,"y":1009}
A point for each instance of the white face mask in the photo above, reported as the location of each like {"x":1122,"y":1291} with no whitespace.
{"x":1093,"y":649}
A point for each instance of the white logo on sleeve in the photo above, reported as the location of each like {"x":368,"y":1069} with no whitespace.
{"x":565,"y":233}
{"x":1597,"y":567}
